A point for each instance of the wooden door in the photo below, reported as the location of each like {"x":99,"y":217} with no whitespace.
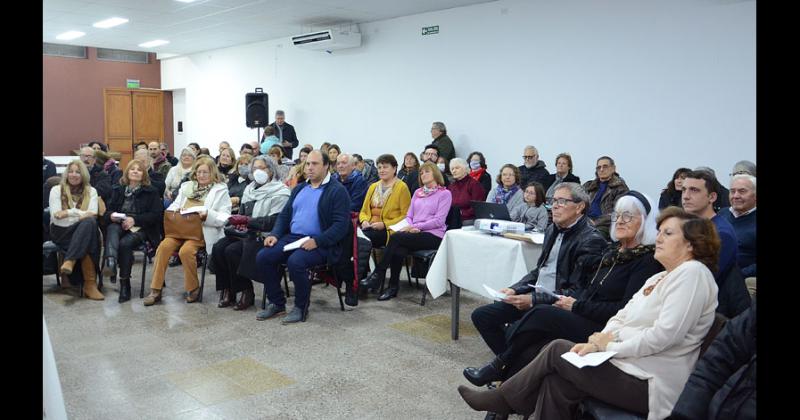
{"x":131,"y":116}
{"x":148,"y":116}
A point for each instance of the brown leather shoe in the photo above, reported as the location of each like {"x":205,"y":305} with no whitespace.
{"x":67,"y":266}
{"x":247,"y":300}
{"x":225,"y":299}
{"x":153,"y":297}
{"x":193,"y":296}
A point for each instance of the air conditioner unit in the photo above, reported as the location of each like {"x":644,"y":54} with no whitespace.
{"x":328,"y":40}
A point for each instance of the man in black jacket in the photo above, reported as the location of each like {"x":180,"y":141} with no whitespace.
{"x":532,"y":169}
{"x":572,"y":247}
{"x":723,"y":384}
{"x":98,"y":178}
{"x":285,"y":132}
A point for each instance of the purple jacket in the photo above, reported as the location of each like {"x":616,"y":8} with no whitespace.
{"x":428,"y":214}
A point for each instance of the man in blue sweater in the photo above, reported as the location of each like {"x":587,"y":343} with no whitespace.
{"x":352,"y":180}
{"x":319,"y":209}
{"x":742,"y":216}
{"x":699,"y":195}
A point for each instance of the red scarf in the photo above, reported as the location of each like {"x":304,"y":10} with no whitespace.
{"x":477,"y":174}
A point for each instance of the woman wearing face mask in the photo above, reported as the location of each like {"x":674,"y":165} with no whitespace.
{"x":234,"y":258}
{"x":238,"y":180}
{"x":477,"y":170}
{"x":444,"y":167}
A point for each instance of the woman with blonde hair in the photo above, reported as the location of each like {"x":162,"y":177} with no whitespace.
{"x":178,"y":172}
{"x":206,"y":189}
{"x":73,"y":226}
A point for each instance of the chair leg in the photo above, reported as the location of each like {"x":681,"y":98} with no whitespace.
{"x":203,"y":277}
{"x":144,"y":272}
{"x":264,"y":298}
{"x":285,"y":281}
{"x":338,"y":288}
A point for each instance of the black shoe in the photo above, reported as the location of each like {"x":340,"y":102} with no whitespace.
{"x":350,"y":297}
{"x":388,"y":294}
{"x":296,"y":315}
{"x":110,"y":270}
{"x":493,"y":371}
{"x":124,"y":290}
{"x":375,"y":280}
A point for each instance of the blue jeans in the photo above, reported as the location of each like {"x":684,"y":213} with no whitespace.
{"x":298,"y":261}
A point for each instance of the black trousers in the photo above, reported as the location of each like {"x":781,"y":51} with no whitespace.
{"x":490,"y":321}
{"x":227,"y":254}
{"x":79,"y":239}
{"x":377,"y":237}
{"x":400,"y":244}
{"x":120,"y":245}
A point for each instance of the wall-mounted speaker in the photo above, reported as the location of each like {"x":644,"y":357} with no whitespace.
{"x":257,"y":109}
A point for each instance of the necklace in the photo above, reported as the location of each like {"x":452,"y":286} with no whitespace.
{"x":607,"y":273}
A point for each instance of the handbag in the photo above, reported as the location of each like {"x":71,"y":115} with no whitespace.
{"x":183,"y":226}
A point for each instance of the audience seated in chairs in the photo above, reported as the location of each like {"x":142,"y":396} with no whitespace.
{"x":206,"y":188}
{"x":478,"y":170}
{"x":318,"y":209}
{"x":276,"y":153}
{"x":723,"y":383}
{"x":352,"y":180}
{"x":563,"y":173}
{"x":742,"y":217}
{"x":73,"y":216}
{"x":532,"y":168}
{"x":603,"y":192}
{"x":296,"y":173}
{"x":507,"y":190}
{"x":159,"y":159}
{"x":572,"y":248}
{"x":333,"y":154}
{"x":385,"y":204}
{"x":142,"y":208}
{"x":176,"y":174}
{"x":99,"y":179}
{"x":238,"y":180}
{"x":426,"y":226}
{"x":234,"y":256}
{"x":409,"y":172}
{"x":656,"y":338}
{"x":226,"y":161}
{"x":671,"y":196}
{"x":156,"y":179}
{"x":534,"y":213}
{"x":464,"y":190}
{"x":367,"y":169}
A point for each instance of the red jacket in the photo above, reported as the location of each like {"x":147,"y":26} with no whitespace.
{"x":464,"y":191}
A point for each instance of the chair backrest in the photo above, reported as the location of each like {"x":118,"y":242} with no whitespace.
{"x":453,"y":220}
{"x":716,"y":327}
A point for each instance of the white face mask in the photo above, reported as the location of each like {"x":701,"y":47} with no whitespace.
{"x":440,"y":166}
{"x":260,"y":176}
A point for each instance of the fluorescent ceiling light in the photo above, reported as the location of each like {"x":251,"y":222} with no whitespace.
{"x":110,"y":23}
{"x":185,"y":1}
{"x":155,"y":43}
{"x":66,"y":36}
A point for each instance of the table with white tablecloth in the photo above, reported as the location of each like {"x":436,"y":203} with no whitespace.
{"x":470,"y":259}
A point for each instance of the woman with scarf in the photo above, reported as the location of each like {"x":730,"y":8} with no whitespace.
{"x":507,"y":191}
{"x":385,"y":204}
{"x":227,"y":158}
{"x":424,"y":230}
{"x":238,"y":180}
{"x":176,"y":174}
{"x":73,"y":226}
{"x":234,"y":258}
{"x":623,"y":269}
{"x":133,"y":216}
{"x":477,"y":170}
{"x":563,"y":173}
{"x":206,"y":188}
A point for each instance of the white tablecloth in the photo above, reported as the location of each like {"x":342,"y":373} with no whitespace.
{"x":469,"y":258}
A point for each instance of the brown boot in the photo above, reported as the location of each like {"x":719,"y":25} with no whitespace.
{"x":67,"y":266}
{"x":152,"y":298}
{"x":90,"y":279}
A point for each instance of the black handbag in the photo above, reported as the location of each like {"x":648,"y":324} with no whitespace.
{"x":232,"y":232}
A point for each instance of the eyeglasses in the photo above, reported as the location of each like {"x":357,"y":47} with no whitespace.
{"x":601,"y":167}
{"x":560,"y":201}
{"x":626,"y":216}
{"x":528,"y":157}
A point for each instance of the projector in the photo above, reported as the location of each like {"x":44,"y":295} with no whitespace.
{"x":499,"y":227}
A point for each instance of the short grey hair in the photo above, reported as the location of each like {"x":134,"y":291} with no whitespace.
{"x":707,"y":170}
{"x":529,"y":147}
{"x":646,"y":235}
{"x":744,"y":166}
{"x":748,"y":177}
{"x":440,"y":126}
{"x":352,"y":160}
{"x":576,"y":191}
{"x":188,"y":151}
{"x":272,"y":167}
{"x":457,"y":161}
{"x":280,"y":113}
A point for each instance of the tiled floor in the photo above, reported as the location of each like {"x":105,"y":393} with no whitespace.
{"x":380,"y":360}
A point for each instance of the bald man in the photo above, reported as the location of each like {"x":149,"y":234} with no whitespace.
{"x":99,"y":179}
{"x":159,"y":159}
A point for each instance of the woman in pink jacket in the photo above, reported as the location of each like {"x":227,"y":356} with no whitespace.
{"x":425,"y":228}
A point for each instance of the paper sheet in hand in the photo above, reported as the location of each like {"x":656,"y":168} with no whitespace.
{"x":118,"y":216}
{"x":195,"y":209}
{"x":296,"y":244}
{"x":399,"y":225}
{"x":591,"y":359}
{"x":545,"y":290}
{"x":537,"y":237}
{"x":494,"y":293}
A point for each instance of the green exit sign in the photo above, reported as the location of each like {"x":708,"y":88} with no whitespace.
{"x":430,"y":30}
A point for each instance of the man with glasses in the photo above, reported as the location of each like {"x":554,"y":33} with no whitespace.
{"x":532,"y":168}
{"x":604,"y":190}
{"x":431,"y":154}
{"x":98,"y":178}
{"x":571,"y":250}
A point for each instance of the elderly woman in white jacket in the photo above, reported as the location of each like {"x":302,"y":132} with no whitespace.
{"x":206,"y":188}
{"x":656,"y":338}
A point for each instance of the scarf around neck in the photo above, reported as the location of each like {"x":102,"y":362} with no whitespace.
{"x":264,"y":195}
{"x":503,"y":195}
{"x":424,"y":191}
{"x":477,"y":174}
{"x":192,"y":190}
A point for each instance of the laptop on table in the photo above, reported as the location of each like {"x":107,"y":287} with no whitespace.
{"x":486,"y":210}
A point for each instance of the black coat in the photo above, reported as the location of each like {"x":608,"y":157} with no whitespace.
{"x":288,"y":135}
{"x":411,"y":179}
{"x":236,"y":188}
{"x":580,"y":252}
{"x":149,"y":210}
{"x":486,"y":181}
{"x":537,"y":173}
{"x":550,"y":179}
{"x":723,"y":384}
{"x":48,"y":169}
{"x":669,"y":199}
{"x":100,"y":181}
{"x":159,"y":181}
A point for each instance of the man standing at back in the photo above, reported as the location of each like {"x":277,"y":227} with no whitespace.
{"x":285,"y":133}
{"x":532,"y":168}
{"x":442,"y":142}
{"x":699,"y":195}
{"x":318,"y":209}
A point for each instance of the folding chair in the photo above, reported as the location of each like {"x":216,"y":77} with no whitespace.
{"x":148,"y":252}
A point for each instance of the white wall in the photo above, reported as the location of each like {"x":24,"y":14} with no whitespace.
{"x":655,"y":85}
{"x":179,"y":114}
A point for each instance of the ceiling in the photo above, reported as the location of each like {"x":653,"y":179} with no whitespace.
{"x":211,"y":24}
